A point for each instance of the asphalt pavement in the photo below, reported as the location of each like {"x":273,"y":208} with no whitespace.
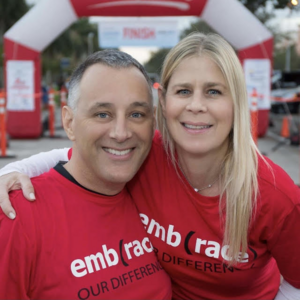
{"x":281,"y":152}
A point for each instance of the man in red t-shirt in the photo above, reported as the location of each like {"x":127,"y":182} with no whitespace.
{"x":82,"y":238}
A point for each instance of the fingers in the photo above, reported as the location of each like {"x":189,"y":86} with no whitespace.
{"x":7,"y":208}
{"x":6,"y":182}
{"x":14,"y":181}
{"x":27,"y":187}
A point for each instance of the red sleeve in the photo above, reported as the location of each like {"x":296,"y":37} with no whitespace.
{"x":70,"y":153}
{"x":15,"y":257}
{"x":282,"y":218}
{"x":286,"y":248}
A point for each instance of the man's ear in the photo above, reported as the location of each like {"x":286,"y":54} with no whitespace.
{"x":161,"y":98}
{"x":68,"y":122}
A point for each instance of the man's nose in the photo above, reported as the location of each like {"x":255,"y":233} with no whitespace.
{"x":120,"y":130}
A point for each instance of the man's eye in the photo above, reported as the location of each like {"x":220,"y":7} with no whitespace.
{"x":136,"y":115}
{"x":102,"y":115}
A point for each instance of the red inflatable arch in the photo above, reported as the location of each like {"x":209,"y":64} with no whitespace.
{"x":49,"y":18}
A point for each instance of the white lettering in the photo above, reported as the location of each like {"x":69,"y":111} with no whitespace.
{"x":147,"y":249}
{"x":199,"y":242}
{"x":77,"y":265}
{"x":209,"y":248}
{"x":171,"y":234}
{"x":127,"y":247}
{"x":94,"y":258}
{"x":145,"y":219}
{"x":224,"y":253}
{"x":243,"y":259}
{"x":113,"y":253}
{"x":137,"y":250}
{"x":240,"y":259}
{"x":158,"y":229}
{"x":109,"y":257}
{"x":213,"y":251}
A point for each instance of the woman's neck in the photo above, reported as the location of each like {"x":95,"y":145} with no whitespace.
{"x":202,"y":171}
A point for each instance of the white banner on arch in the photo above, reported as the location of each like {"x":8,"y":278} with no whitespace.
{"x":257,"y":75}
{"x":20,"y":85}
{"x":114,"y":34}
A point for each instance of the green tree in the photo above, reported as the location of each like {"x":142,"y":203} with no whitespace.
{"x":260,"y":8}
{"x":256,"y":5}
{"x":73,"y":44}
{"x":73,"y":41}
{"x":282,"y":42}
{"x":10,"y":12}
{"x":200,"y":26}
{"x":154,"y":64}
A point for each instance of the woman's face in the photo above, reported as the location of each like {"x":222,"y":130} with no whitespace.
{"x":198,"y":107}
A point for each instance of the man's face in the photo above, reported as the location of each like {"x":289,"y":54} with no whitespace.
{"x":112,"y":128}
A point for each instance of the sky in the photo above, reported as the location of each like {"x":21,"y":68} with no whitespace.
{"x":285,"y":21}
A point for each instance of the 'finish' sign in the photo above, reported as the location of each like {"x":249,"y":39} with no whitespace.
{"x":162,"y":33}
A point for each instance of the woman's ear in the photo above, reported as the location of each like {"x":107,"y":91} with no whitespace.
{"x":161,"y":98}
{"x":68,"y":122}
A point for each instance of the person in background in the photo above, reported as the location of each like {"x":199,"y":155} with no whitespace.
{"x":45,"y":97}
{"x":83,"y":237}
{"x":222,"y":218}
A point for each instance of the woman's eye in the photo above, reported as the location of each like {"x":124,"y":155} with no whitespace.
{"x":214,"y":92}
{"x":183,"y":92}
{"x":102,"y":115}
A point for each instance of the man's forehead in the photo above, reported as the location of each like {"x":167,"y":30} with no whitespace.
{"x":107,"y":84}
{"x":102,"y":69}
{"x":99,"y":74}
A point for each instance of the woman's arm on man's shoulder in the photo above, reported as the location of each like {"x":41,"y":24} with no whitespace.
{"x":17,"y":175}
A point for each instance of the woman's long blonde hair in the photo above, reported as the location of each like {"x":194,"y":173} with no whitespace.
{"x":239,"y":177}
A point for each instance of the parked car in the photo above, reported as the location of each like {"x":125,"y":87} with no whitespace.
{"x":285,"y":93}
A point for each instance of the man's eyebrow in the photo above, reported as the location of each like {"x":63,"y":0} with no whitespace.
{"x":101,"y":105}
{"x":140,"y":103}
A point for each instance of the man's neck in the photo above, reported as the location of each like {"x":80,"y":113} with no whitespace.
{"x":90,"y":182}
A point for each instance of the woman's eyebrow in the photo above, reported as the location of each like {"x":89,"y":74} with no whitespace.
{"x":214,"y":84}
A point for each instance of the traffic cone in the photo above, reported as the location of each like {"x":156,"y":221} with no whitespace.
{"x":3,"y":141}
{"x":254,"y":115}
{"x":285,"y":127}
{"x":2,"y":124}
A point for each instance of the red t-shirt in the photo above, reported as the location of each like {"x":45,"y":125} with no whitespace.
{"x":75,"y":244}
{"x":184,"y":228}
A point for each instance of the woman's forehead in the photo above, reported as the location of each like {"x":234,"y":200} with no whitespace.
{"x":197,"y":67}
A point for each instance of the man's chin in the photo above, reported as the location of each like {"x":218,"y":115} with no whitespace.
{"x":122,"y":178}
